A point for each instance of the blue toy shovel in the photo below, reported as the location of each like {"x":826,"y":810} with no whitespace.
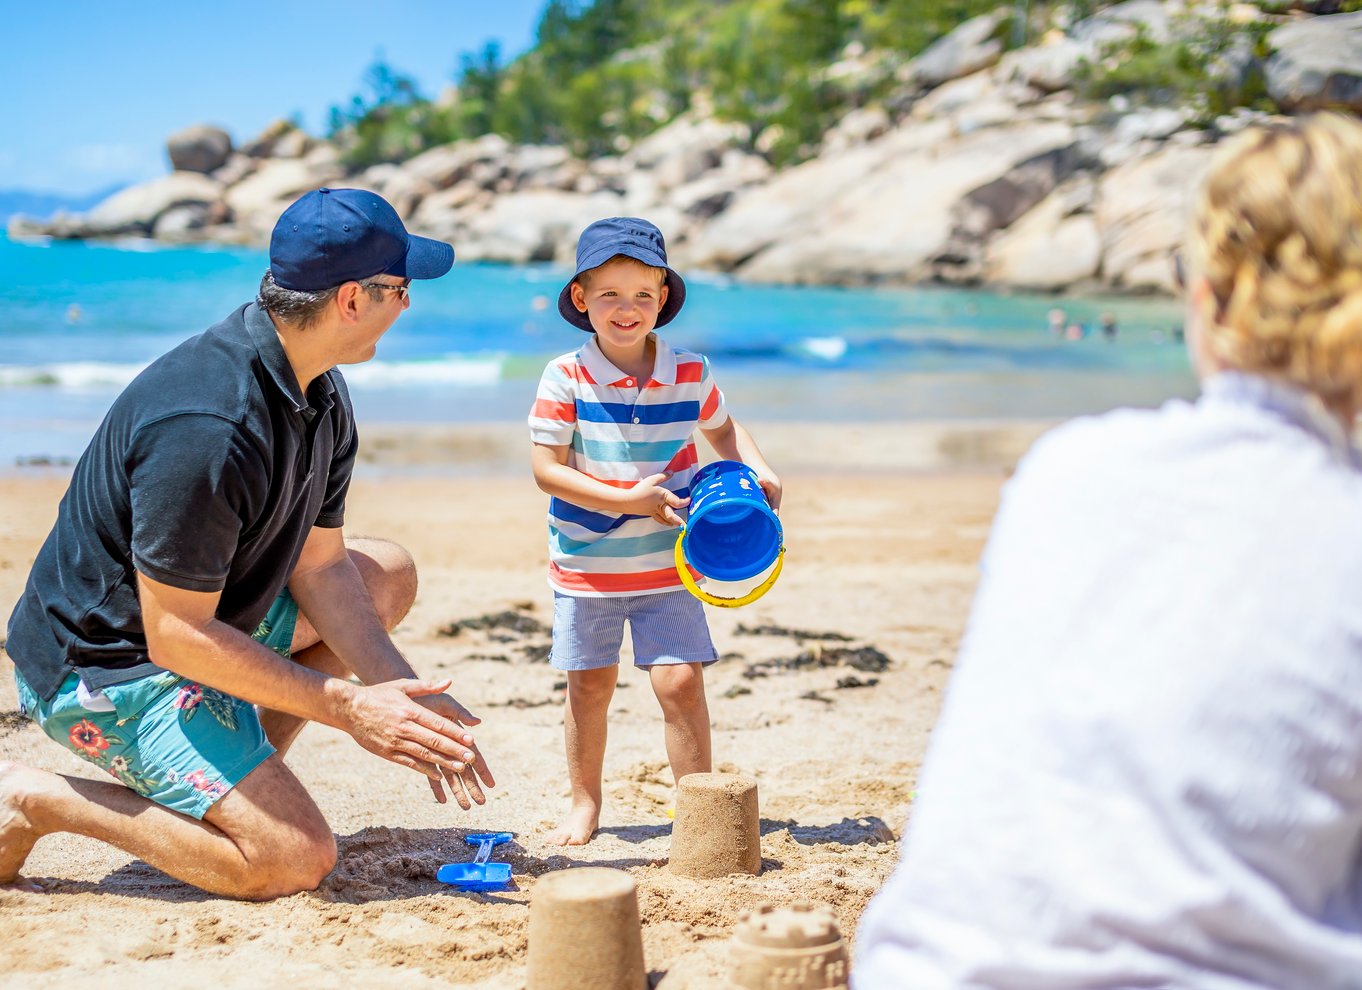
{"x":479,"y":874}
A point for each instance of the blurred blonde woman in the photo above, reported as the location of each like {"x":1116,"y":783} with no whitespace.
{"x":1148,"y":769}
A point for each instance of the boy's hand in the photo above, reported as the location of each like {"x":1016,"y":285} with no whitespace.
{"x":649,"y":498}
{"x":770,"y":484}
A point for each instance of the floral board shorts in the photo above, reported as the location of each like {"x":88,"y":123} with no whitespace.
{"x":180,"y":744}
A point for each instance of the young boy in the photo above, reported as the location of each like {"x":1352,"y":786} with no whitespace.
{"x":612,"y":427}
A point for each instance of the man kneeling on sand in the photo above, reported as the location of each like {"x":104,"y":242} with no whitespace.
{"x":196,"y":602}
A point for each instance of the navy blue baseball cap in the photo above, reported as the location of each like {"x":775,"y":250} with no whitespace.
{"x":633,"y":238}
{"x":332,"y":236}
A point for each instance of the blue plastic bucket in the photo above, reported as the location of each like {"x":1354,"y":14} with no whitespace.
{"x":732,"y":533}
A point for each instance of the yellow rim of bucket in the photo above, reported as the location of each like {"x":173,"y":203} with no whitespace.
{"x":683,"y":570}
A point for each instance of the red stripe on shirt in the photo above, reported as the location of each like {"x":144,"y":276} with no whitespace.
{"x":711,"y":403}
{"x":685,"y":458}
{"x":612,"y":482}
{"x":689,"y":372}
{"x":578,"y":373}
{"x":563,"y":412}
{"x":642,"y":581}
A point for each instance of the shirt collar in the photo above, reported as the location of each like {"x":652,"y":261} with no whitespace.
{"x":272,"y":356}
{"x":603,"y":371}
{"x":1288,"y":402}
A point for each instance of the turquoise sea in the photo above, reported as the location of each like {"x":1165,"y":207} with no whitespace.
{"x":78,"y":321}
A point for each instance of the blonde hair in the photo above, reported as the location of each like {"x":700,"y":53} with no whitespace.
{"x":1277,"y":233}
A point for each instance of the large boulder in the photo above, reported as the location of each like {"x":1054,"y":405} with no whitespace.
{"x":200,"y":148}
{"x":1123,"y":22}
{"x":857,"y":127}
{"x":257,"y":200}
{"x":1047,"y":249}
{"x":537,"y":225}
{"x":1050,"y":66}
{"x":684,"y":149}
{"x":135,"y":210}
{"x":449,"y":164}
{"x":880,"y":213}
{"x":1143,"y":210}
{"x":538,"y":165}
{"x":967,"y":49}
{"x":710,"y":194}
{"x":1316,"y":63}
{"x":996,"y":204}
{"x":281,"y":139}
{"x":795,"y":200}
{"x":188,"y":221}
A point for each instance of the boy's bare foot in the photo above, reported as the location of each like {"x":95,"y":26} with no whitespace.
{"x":579,"y":827}
{"x":17,"y":833}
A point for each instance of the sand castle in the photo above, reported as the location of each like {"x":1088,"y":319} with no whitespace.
{"x":585,"y":932}
{"x":794,"y":947}
{"x":717,"y":827}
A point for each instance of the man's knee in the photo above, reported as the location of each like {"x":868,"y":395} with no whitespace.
{"x":389,"y":573}
{"x":291,"y":867}
{"x":285,"y":842}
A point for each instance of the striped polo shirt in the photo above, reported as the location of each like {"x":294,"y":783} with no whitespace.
{"x":619,"y":430}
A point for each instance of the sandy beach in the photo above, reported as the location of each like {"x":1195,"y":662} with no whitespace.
{"x":826,"y":695}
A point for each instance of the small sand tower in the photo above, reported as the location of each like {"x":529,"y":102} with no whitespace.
{"x":585,"y":932}
{"x":717,"y":827}
{"x":795,"y":947}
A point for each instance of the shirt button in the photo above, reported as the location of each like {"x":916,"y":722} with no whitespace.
{"x":635,"y":419}
{"x":628,"y":381}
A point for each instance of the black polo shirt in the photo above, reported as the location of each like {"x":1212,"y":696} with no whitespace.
{"x":207,"y":474}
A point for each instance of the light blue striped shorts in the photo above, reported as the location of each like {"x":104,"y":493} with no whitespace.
{"x":666,"y":628}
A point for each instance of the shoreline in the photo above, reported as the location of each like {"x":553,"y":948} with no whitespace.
{"x":791,"y":447}
{"x":499,"y":449}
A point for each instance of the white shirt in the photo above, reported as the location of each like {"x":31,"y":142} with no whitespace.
{"x":1148,"y":768}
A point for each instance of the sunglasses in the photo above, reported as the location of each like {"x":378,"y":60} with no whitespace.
{"x":403,"y":289}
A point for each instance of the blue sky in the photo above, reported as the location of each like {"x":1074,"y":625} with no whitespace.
{"x":92,"y":88}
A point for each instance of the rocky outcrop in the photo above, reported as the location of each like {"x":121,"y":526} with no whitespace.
{"x":1316,"y":64}
{"x":135,"y":211}
{"x":199,"y":149}
{"x":1055,"y":245}
{"x":972,"y":46}
{"x":1142,"y":216}
{"x":984,"y":167}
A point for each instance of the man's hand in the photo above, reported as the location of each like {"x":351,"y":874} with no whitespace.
{"x":388,"y":720}
{"x":463,"y":784}
{"x":649,"y":498}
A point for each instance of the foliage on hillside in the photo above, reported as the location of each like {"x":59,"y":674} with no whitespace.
{"x":604,"y":73}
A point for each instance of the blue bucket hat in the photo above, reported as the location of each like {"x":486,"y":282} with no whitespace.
{"x":331,"y":236}
{"x":634,"y":238}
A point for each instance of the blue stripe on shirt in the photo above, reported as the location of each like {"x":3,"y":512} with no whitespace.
{"x":622,"y":412}
{"x":623,"y":450}
{"x":597,"y":522}
{"x":620,"y":546}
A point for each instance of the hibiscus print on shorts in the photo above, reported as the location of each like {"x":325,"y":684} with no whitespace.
{"x":90,"y":742}
{"x":131,"y":777}
{"x":200,"y":782}
{"x":221,"y":706}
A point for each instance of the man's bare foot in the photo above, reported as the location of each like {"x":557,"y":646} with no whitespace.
{"x":17,"y":833}
{"x":579,"y":827}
